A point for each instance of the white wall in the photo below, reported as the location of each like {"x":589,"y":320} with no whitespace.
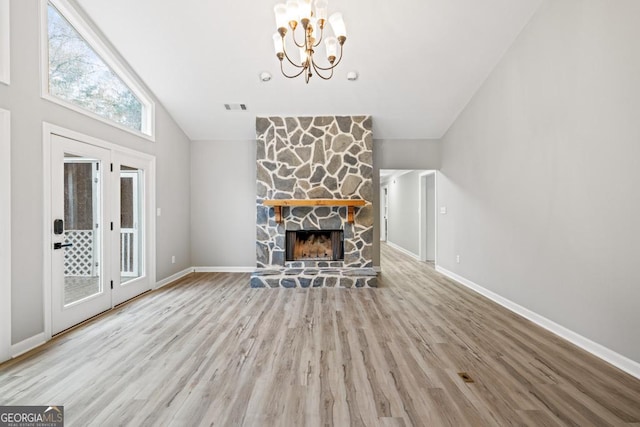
{"x":5,"y":41}
{"x":28,"y":111}
{"x":404,"y":212}
{"x":223,"y":233}
{"x":540,"y":174}
{"x":223,"y":203}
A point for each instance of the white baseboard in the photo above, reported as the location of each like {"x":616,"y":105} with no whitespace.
{"x":403,"y":250}
{"x":29,"y":344}
{"x":224,"y":269}
{"x":190,"y":270}
{"x":629,"y":366}
{"x":173,"y":277}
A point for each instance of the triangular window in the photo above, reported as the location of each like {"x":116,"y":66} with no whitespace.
{"x":78,"y":75}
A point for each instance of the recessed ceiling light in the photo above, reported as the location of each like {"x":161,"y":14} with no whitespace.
{"x":265,"y":76}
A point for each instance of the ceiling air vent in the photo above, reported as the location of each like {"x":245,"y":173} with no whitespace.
{"x":235,"y":107}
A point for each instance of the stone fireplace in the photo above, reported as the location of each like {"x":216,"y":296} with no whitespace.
{"x":315,"y":187}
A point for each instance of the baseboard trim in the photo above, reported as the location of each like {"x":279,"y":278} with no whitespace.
{"x":27,"y":345}
{"x":621,"y":362}
{"x":173,"y":278}
{"x":403,"y":250}
{"x":224,"y":269}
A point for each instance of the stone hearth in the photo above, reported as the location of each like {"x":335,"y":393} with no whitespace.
{"x":314,"y":158}
{"x":315,"y":278}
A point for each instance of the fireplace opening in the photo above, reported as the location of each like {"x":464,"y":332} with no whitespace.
{"x":314,"y":245}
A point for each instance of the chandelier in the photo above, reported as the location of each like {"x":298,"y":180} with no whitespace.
{"x":312,"y":20}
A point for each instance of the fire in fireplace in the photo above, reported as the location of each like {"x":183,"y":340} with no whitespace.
{"x":314,"y":245}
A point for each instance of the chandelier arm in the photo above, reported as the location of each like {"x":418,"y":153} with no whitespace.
{"x":286,"y":55}
{"x":319,"y":74}
{"x":334,"y":65}
{"x":320,"y":39}
{"x":295,"y":41}
{"x":293,"y":76}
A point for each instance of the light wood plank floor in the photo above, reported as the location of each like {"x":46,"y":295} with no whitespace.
{"x":212,"y":351}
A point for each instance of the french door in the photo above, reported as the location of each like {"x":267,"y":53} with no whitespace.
{"x":99,"y":208}
{"x":131,"y":231}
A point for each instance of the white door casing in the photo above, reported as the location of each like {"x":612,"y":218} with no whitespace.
{"x":428,"y":219}
{"x":5,"y":235}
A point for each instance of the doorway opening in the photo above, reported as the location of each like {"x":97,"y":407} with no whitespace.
{"x":408,"y":212}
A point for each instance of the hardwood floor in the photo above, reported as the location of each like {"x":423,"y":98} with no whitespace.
{"x":212,"y":351}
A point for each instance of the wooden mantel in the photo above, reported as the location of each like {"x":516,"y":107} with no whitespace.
{"x":349,"y":203}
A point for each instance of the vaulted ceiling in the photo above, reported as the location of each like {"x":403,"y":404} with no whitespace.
{"x":419,"y":61}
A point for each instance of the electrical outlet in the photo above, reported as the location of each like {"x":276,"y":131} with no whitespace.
{"x":457,"y":259}
{"x":173,"y":259}
{"x":158,"y":212}
{"x":443,"y":210}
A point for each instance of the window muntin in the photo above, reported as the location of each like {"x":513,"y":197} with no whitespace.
{"x":84,"y":73}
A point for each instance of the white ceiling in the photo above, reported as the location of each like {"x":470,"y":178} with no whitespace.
{"x":419,"y":61}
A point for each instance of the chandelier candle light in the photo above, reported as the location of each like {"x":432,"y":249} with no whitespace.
{"x":312,"y":19}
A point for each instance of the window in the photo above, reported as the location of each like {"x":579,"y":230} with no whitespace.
{"x":4,"y":41}
{"x":84,"y":74}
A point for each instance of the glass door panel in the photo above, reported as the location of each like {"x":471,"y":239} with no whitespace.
{"x":82,"y":225}
{"x":131,"y":224}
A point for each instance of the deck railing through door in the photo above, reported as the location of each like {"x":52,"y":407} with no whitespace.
{"x":128,"y":253}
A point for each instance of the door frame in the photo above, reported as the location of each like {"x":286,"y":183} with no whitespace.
{"x":423,"y":204}
{"x":5,"y":235}
{"x":49,"y":129}
{"x":384,"y":212}
{"x":125,"y":291}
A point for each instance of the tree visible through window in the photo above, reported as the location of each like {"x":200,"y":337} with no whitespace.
{"x":78,"y":75}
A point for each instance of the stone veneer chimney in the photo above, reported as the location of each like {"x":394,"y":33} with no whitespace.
{"x":315,"y":158}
